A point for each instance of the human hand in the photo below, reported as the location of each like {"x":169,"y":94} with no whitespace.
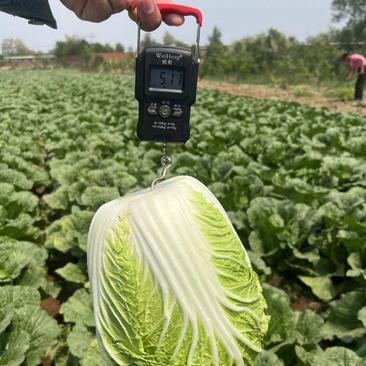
{"x":146,"y":11}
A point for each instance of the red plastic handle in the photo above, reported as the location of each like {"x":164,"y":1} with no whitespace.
{"x":171,"y":8}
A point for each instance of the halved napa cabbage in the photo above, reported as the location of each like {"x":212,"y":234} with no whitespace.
{"x":172,"y":284}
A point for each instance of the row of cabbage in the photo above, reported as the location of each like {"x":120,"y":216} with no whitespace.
{"x":293,"y":180}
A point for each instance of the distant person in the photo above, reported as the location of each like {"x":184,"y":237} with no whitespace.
{"x":39,"y":12}
{"x":357,"y":64}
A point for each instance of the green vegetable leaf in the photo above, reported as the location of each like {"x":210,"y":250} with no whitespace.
{"x":322,"y":287}
{"x":58,"y":200}
{"x":308,"y":328}
{"x":355,"y":262}
{"x":13,"y":258}
{"x":268,"y":359}
{"x":93,"y":356}
{"x":22,"y":262}
{"x":6,"y":307}
{"x":333,"y":356}
{"x":362,"y":316}
{"x":283,"y":319}
{"x":42,"y":331}
{"x":93,"y":197}
{"x":78,"y":309}
{"x":72,"y":273}
{"x":16,"y":178}
{"x":70,"y":231}
{"x":15,"y":347}
{"x":343,"y":318}
{"x":79,"y":340}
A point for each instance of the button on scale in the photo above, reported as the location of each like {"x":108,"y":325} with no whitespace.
{"x":165,"y":111}
{"x":177,"y":112}
{"x":152,"y":109}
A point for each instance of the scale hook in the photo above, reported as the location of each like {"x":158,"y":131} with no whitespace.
{"x":166,"y":163}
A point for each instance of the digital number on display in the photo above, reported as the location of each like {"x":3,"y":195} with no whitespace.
{"x":167,"y":79}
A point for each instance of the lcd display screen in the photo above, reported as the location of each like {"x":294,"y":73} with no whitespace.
{"x":167,"y":79}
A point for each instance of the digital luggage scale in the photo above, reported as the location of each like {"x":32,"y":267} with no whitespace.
{"x":166,"y":85}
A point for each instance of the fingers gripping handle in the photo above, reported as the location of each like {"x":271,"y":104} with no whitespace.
{"x":171,"y":8}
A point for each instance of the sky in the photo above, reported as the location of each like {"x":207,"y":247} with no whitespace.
{"x":235,"y":19}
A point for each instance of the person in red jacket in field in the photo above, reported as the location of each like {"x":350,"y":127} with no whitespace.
{"x":357,"y":64}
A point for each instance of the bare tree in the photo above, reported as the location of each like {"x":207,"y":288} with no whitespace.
{"x":14,"y":47}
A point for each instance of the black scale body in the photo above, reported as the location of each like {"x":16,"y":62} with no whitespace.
{"x":166,"y":88}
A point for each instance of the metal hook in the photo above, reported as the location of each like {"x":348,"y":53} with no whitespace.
{"x":166,"y":163}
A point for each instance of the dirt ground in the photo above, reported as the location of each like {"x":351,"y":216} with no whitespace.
{"x":269,"y":92}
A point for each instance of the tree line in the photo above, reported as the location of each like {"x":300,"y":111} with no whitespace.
{"x":77,"y":46}
{"x":71,"y":45}
{"x":274,"y":57}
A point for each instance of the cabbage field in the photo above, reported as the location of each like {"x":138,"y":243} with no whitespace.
{"x":292,"y":178}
